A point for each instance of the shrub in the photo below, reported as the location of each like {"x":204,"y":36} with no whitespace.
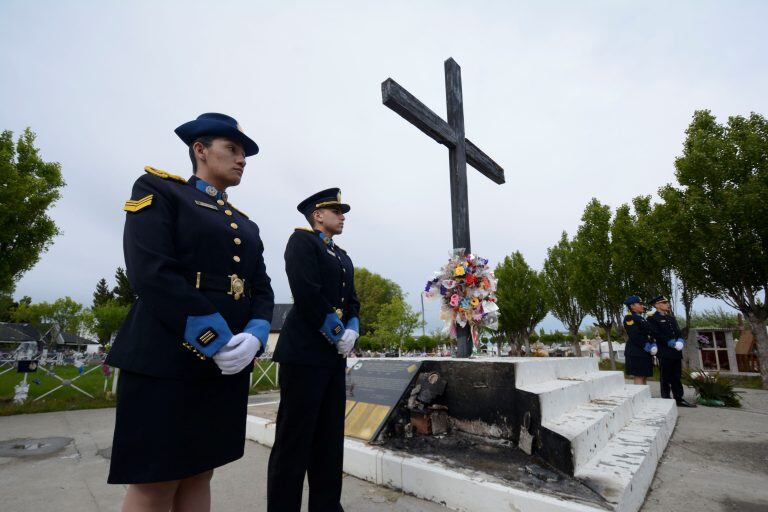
{"x":712,"y":388}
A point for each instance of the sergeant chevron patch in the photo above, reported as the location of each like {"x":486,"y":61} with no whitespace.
{"x":136,"y":205}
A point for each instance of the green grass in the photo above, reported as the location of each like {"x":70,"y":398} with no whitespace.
{"x":69,"y":399}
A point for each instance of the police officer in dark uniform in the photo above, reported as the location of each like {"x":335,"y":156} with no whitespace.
{"x":670,"y":341}
{"x":640,"y":347}
{"x":203,"y":313}
{"x":318,"y":334}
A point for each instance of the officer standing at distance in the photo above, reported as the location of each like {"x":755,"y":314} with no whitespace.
{"x":640,"y":347}
{"x":669,"y":338}
{"x":203,"y":313}
{"x":318,"y":334}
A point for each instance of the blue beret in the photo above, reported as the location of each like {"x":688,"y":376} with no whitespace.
{"x":217,"y":125}
{"x":633,"y":299}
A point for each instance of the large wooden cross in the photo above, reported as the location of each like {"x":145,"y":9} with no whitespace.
{"x":460,"y":153}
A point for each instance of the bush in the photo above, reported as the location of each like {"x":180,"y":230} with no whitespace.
{"x":711,"y":388}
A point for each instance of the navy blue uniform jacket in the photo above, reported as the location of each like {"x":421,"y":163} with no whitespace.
{"x":639,"y":333}
{"x":321,"y":278}
{"x":172,"y":231}
{"x":665,"y":328}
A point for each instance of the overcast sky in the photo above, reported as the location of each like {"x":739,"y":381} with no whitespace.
{"x":574,"y":99}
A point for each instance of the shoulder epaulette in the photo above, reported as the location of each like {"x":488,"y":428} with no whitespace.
{"x":308,"y":230}
{"x":165,"y":175}
{"x":236,"y":209}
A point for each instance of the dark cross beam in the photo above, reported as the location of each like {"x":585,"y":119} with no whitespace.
{"x":461,"y":151}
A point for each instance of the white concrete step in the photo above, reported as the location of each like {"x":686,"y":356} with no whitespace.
{"x":559,"y":396}
{"x":590,"y":426}
{"x":623,"y":470}
{"x":533,"y":370}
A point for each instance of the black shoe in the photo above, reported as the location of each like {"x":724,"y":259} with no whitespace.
{"x":682,"y":403}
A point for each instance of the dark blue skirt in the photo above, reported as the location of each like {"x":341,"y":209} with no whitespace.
{"x":639,"y":366}
{"x":172,"y":429}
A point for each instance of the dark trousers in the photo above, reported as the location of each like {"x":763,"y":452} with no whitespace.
{"x":309,"y":439}
{"x":671,"y":371}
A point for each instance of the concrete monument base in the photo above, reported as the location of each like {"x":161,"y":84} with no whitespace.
{"x":581,"y":437}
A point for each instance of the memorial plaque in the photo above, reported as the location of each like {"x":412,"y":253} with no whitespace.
{"x":26,"y":366}
{"x":374,"y":387}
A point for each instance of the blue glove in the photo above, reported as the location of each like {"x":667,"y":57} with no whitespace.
{"x":647,"y":347}
{"x":671,"y":343}
{"x":332,"y":328}
{"x":681,"y":340}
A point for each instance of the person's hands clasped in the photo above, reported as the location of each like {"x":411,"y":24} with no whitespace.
{"x":237,"y":353}
{"x":347,"y":342}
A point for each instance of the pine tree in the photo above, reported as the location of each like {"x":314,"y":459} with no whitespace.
{"x":102,"y":295}
{"x":123,"y":292}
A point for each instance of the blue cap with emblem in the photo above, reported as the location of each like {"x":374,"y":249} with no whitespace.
{"x":215,"y":124}
{"x":633,"y":299}
{"x":328,"y":198}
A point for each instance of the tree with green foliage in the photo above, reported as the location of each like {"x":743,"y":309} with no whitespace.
{"x":723,"y":185}
{"x":29,"y":186}
{"x":107,"y":320}
{"x":102,"y":294}
{"x":123,"y":292}
{"x":596,"y":284}
{"x":65,"y":312}
{"x":374,"y":292}
{"x":640,"y":258}
{"x":559,"y":275}
{"x":715,"y":317}
{"x":522,"y":298}
{"x":394,"y":324}
{"x":7,"y":306}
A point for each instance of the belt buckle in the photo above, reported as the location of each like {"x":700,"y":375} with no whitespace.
{"x":339,"y":313}
{"x":236,"y":286}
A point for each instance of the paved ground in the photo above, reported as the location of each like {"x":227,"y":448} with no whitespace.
{"x":717,"y":461}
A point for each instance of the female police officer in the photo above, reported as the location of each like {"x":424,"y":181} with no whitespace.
{"x":640,"y":348}
{"x":203,"y":313}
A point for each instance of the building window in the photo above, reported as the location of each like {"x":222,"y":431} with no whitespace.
{"x":714,"y":350}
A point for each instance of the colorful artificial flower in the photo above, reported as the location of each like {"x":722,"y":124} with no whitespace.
{"x":467,"y":288}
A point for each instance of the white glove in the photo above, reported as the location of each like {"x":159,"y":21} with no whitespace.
{"x":654,"y":350}
{"x":678,"y":345}
{"x":237,"y":353}
{"x":347,"y":342}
